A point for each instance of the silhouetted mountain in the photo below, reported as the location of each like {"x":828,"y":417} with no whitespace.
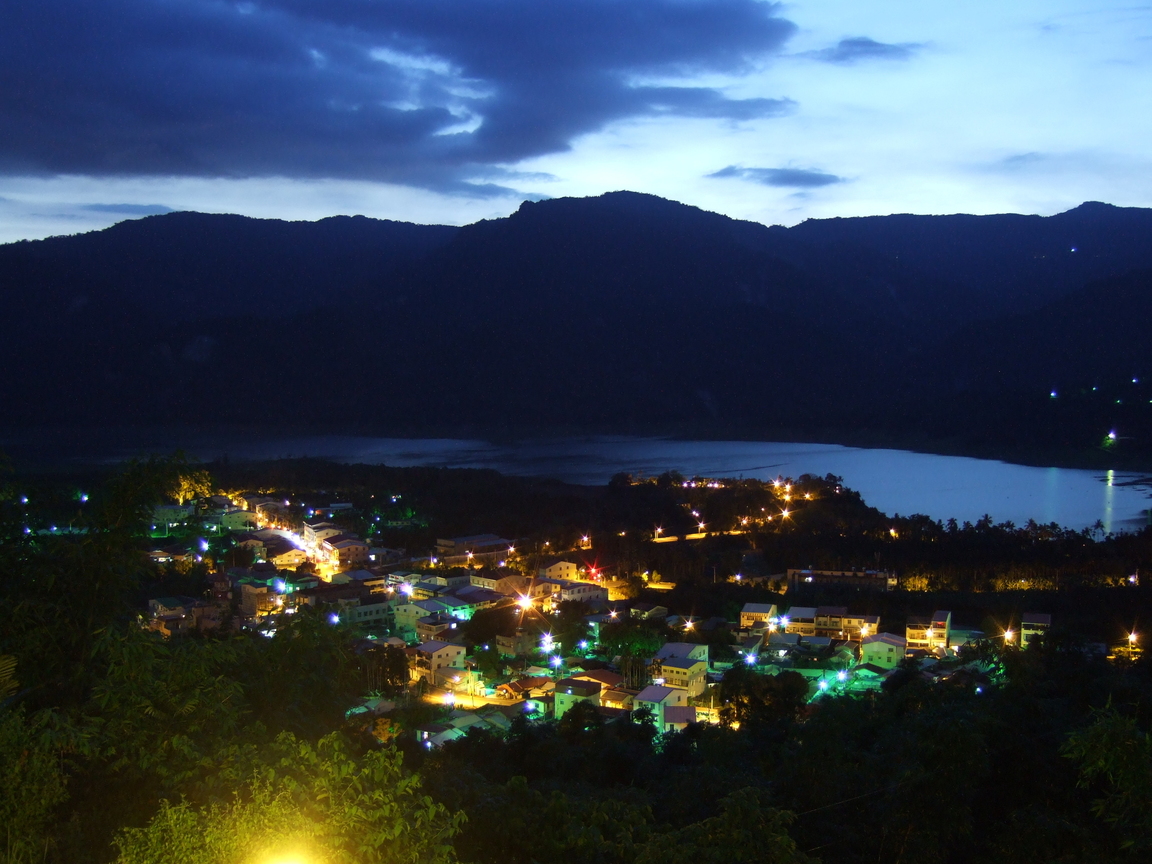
{"x":622,"y":312}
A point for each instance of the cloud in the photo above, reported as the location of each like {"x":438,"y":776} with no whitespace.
{"x":858,"y":48}
{"x":128,"y":209}
{"x":426,"y":93}
{"x":793,"y":178}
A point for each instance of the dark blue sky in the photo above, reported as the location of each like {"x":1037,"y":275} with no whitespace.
{"x":440,"y":110}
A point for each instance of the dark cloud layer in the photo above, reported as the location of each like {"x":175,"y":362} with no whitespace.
{"x":791,"y":178}
{"x":128,"y":209}
{"x":423,"y":92}
{"x":862,"y":48}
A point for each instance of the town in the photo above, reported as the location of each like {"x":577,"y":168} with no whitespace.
{"x":684,"y":653}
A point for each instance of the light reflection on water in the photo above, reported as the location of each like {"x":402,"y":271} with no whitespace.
{"x":895,"y":481}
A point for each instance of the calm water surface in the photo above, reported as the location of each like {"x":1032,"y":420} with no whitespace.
{"x":895,"y":481}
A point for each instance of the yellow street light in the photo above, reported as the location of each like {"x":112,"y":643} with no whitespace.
{"x":1132,"y":638}
{"x":1008,"y":636}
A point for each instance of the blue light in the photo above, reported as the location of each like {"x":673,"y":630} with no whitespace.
{"x":1053,"y":394}
{"x":334,"y":618}
{"x":841,"y":675}
{"x":556,"y":661}
{"x":750,"y":659}
{"x":823,"y":685}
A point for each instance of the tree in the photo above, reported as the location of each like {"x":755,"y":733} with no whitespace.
{"x":746,"y":831}
{"x":1115,"y":757}
{"x":31,"y":785}
{"x":301,"y":799}
{"x":749,"y":697}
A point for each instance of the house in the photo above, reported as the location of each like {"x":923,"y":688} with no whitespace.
{"x":683,"y":649}
{"x":525,"y":687}
{"x":373,"y":612}
{"x":757,"y":616}
{"x":657,"y":699}
{"x":684,"y":673}
{"x":557,"y":568}
{"x":800,"y":620}
{"x":507,"y":582}
{"x":239,"y":520}
{"x":569,"y":691}
{"x":618,"y":698}
{"x":431,"y":627}
{"x":284,"y":555}
{"x":376,"y":583}
{"x":677,"y":717}
{"x":487,"y":545}
{"x":607,"y":679}
{"x":407,"y":614}
{"x":345,"y":549}
{"x":929,"y":634}
{"x":425,"y":660}
{"x":1032,"y":625}
{"x":861,"y":580}
{"x":521,"y":642}
{"x":649,"y":611}
{"x":884,"y":650}
{"x":315,"y":533}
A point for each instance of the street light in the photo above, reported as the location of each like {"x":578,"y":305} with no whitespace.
{"x":1008,"y":636}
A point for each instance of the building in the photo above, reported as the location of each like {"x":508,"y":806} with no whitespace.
{"x":684,"y":673}
{"x":569,"y":691}
{"x":861,"y":580}
{"x":836,"y":622}
{"x":486,"y":545}
{"x":800,"y":620}
{"x":315,"y":533}
{"x":657,"y":699}
{"x":558,"y":568}
{"x":1032,"y":625}
{"x":757,"y":616}
{"x":426,"y":660}
{"x":502,"y":581}
{"x":373,"y":612}
{"x":345,"y":549}
{"x":884,"y":650}
{"x":431,"y":627}
{"x":683,"y":649}
{"x":929,"y":634}
{"x":239,"y":520}
{"x":284,"y":555}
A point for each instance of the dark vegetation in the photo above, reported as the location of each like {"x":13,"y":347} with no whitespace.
{"x":622,"y":313}
{"x":1034,"y":756}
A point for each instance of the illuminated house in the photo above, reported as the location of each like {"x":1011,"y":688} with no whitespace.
{"x":425,"y":660}
{"x":315,"y":533}
{"x":884,"y":650}
{"x":836,"y":622}
{"x":1033,"y":624}
{"x":569,"y":691}
{"x":861,"y":580}
{"x":683,"y":649}
{"x":432,"y":627}
{"x":238,"y":520}
{"x":929,"y":633}
{"x":558,"y":568}
{"x":686,"y":673}
{"x":345,"y":549}
{"x":800,"y":620}
{"x":757,"y":616}
{"x":658,"y":699}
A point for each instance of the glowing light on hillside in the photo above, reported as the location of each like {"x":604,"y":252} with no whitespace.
{"x":524,"y":603}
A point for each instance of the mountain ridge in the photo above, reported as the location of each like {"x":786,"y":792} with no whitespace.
{"x":619,"y":311}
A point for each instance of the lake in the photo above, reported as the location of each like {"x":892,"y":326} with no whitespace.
{"x":895,"y":481}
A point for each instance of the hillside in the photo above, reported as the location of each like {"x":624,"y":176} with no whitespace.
{"x":623,"y":312}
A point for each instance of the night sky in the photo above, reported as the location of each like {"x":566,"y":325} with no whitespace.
{"x":443,"y":111}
